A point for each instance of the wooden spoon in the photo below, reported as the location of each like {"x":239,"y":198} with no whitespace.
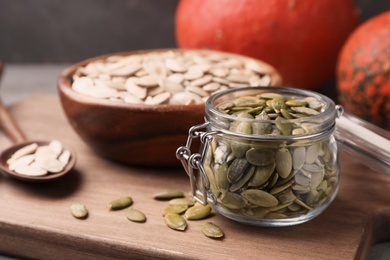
{"x":12,"y":130}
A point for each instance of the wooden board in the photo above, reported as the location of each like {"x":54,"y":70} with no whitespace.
{"x":35,"y":220}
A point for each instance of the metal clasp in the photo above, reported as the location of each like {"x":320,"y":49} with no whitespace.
{"x":193,"y":163}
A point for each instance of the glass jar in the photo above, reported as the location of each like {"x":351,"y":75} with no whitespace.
{"x":284,"y":174}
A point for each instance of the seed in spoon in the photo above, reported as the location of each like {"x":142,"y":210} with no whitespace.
{"x":23,"y":151}
{"x":24,"y":160}
{"x":64,"y":157}
{"x":56,"y":147}
{"x":30,"y":170}
{"x":38,"y":160}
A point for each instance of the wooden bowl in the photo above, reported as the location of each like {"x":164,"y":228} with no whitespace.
{"x":141,"y":135}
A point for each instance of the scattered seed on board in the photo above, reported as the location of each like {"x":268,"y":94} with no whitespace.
{"x":198,"y":212}
{"x":120,"y":203}
{"x":182,"y":201}
{"x":168,"y":195}
{"x":176,"y":208}
{"x":175,"y":221}
{"x":211,"y":230}
{"x":135,"y":215}
{"x":78,"y":210}
{"x":180,"y":77}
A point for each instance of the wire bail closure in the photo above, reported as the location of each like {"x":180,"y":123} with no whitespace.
{"x":193,"y":163}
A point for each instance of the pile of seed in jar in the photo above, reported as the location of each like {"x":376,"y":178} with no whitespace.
{"x":271,"y":179}
{"x":168,"y":77}
{"x":273,"y":106}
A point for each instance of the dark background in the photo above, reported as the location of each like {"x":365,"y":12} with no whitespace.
{"x":48,"y":31}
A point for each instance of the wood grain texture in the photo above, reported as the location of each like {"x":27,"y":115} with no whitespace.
{"x":35,"y":220}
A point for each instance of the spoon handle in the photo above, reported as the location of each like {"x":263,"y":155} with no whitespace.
{"x":10,"y":127}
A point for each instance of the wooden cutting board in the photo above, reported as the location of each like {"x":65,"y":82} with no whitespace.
{"x":35,"y":220}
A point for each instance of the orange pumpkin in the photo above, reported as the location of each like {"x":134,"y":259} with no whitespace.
{"x":301,"y":39}
{"x":363,"y":71}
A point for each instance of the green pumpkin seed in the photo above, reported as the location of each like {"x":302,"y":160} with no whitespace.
{"x":284,"y":127}
{"x":260,"y":157}
{"x":244,"y":101}
{"x":278,"y":104}
{"x":287,"y":196}
{"x":135,"y":215}
{"x":316,"y":105}
{"x":286,"y":114}
{"x":120,"y":203}
{"x":176,"y":208}
{"x":182,"y":201}
{"x":244,"y":128}
{"x":296,"y":103}
{"x":221,"y":178}
{"x":210,"y":175}
{"x":309,"y":128}
{"x":243,"y":180}
{"x":78,"y":210}
{"x":259,"y":198}
{"x":237,"y":169}
{"x":259,"y":128}
{"x":300,"y":203}
{"x":298,"y":131}
{"x":259,"y":212}
{"x":273,"y":180}
{"x":283,"y":163}
{"x":168,"y":195}
{"x":233,"y":201}
{"x":198,"y":212}
{"x":323,"y":186}
{"x":280,"y":207}
{"x":261,"y":175}
{"x":175,"y":221}
{"x":281,"y":188}
{"x":211,"y":230}
{"x":269,"y":95}
{"x":305,"y":111}
{"x":239,"y":148}
{"x":294,"y":207}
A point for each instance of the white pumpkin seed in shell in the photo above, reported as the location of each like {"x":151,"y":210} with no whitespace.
{"x":175,"y":72}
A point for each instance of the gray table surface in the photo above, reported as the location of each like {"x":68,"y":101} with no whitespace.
{"x":21,"y":81}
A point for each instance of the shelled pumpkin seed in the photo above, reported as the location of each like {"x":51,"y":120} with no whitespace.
{"x":175,"y":221}
{"x":271,"y":179}
{"x":135,"y":215}
{"x":168,"y":194}
{"x":211,"y":230}
{"x":78,"y":210}
{"x":120,"y":203}
{"x":197,"y":212}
